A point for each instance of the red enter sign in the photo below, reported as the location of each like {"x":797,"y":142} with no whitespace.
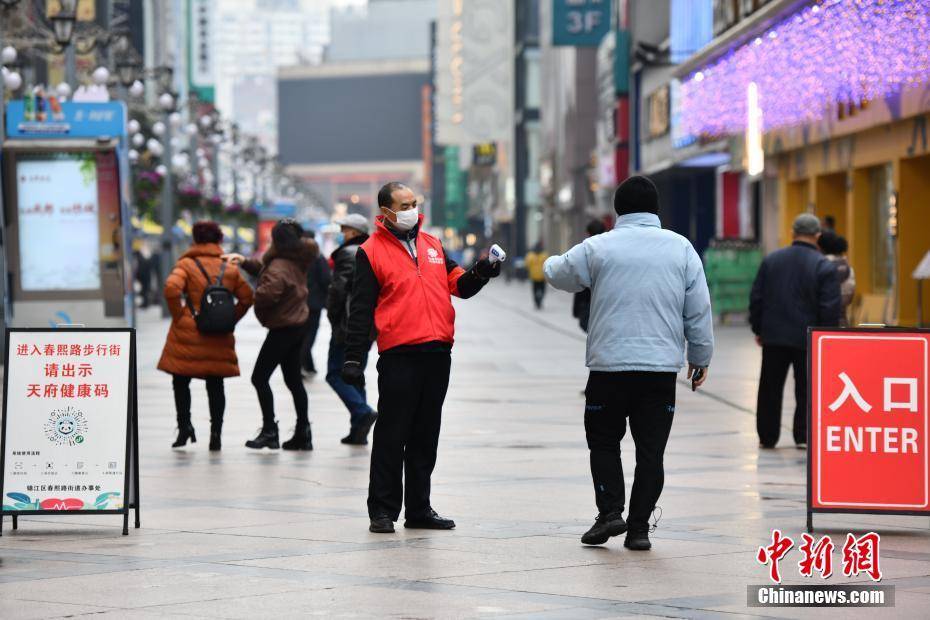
{"x":869,"y":420}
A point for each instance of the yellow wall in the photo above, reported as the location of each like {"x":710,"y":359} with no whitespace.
{"x":913,"y":233}
{"x":797,"y":198}
{"x":859,"y":216}
{"x":830,"y":199}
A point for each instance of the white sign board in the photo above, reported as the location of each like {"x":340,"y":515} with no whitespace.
{"x":59,"y":223}
{"x":66,"y":420}
{"x":201,"y":47}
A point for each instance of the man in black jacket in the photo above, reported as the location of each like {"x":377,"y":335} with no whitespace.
{"x":796,"y":288}
{"x":581,"y":302}
{"x":318,"y":279}
{"x":355,"y":229}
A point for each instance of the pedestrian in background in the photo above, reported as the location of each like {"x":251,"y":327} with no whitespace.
{"x":143,"y":259}
{"x":834,"y":247}
{"x":281,"y":306}
{"x":188,"y":352}
{"x":403,"y":286}
{"x":581,"y":302}
{"x":796,"y":288}
{"x":534,"y":261}
{"x":354,"y":229}
{"x":649,"y":298}
{"x":319,"y":277}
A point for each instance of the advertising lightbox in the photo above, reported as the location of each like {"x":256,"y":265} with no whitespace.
{"x":59,"y":232}
{"x":66,"y":227}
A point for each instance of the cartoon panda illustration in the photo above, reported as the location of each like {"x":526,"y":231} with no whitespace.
{"x":66,"y":426}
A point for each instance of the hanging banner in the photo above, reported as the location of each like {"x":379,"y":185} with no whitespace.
{"x":868,"y":421}
{"x":456,"y":196}
{"x":200,"y":49}
{"x":69,"y":437}
{"x":473,"y":72}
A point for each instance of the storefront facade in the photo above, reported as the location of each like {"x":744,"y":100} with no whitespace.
{"x":874,"y":183}
{"x":841,"y":135}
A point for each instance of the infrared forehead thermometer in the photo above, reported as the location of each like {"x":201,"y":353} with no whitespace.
{"x":497,"y":254}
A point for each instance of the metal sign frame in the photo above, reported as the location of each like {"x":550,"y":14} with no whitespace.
{"x":131,"y":475}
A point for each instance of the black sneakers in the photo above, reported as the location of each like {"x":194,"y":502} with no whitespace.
{"x":361,"y":431}
{"x":638,"y":540}
{"x":604,"y":527}
{"x":429,"y":521}
{"x":381,"y":524}
{"x":358,"y":435}
{"x":267,"y":438}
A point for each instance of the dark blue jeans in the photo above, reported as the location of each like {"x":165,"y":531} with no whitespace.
{"x":353,"y":397}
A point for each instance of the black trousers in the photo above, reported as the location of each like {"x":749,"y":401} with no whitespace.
{"x":281,"y":348}
{"x":775,"y":363}
{"x":216,"y":397}
{"x":648,"y":400}
{"x":539,"y":291}
{"x":411,"y":391}
{"x":306,"y":348}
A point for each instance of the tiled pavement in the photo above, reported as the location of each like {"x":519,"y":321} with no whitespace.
{"x":242,"y":534}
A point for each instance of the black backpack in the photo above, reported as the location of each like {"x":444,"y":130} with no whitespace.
{"x":217,"y":306}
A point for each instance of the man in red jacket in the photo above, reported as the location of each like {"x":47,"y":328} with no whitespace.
{"x":403,"y":286}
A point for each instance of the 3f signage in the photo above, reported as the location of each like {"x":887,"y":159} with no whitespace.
{"x":580,"y":23}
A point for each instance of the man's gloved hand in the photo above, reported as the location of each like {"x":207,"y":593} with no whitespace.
{"x":487,"y":270}
{"x":353,"y":375}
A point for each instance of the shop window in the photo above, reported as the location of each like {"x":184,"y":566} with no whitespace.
{"x":726,"y":14}
{"x":884,"y":230}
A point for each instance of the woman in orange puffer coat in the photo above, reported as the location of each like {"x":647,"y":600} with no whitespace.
{"x":189,"y":353}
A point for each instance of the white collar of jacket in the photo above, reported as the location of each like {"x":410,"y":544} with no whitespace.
{"x":638,"y":219}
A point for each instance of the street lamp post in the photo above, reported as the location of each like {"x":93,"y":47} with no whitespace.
{"x":167,"y":104}
{"x":6,"y":5}
{"x":63,"y":26}
{"x":233,"y":167}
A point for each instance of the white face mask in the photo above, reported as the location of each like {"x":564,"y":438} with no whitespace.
{"x":407,"y":219}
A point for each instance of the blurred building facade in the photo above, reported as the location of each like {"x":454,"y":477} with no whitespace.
{"x":527,"y":156}
{"x":347,"y":128}
{"x":686,"y":172}
{"x":252,"y":39}
{"x":568,"y":121}
{"x":381,"y":29}
{"x":353,"y":122}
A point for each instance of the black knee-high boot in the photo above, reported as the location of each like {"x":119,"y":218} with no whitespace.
{"x":217,"y":400}
{"x":182,"y":404}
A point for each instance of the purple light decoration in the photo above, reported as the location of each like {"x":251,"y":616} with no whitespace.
{"x":836,"y":51}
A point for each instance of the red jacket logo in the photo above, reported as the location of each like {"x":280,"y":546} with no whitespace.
{"x":433,"y":256}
